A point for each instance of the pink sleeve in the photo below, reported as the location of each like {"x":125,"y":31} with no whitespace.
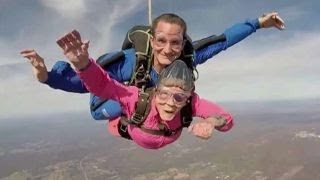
{"x":205,"y":109}
{"x":98,"y":82}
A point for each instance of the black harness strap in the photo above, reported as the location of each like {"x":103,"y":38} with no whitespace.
{"x":104,"y":61}
{"x":187,"y":53}
{"x":163,"y":131}
{"x":123,"y":128}
{"x":186,"y":114}
{"x":141,"y":75}
{"x":142,"y":108}
{"x":141,"y":112}
{"x":208,"y":41}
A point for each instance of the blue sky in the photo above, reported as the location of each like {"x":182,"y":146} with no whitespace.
{"x":268,"y":65}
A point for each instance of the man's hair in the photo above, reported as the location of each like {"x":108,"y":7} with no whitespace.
{"x":169,"y":18}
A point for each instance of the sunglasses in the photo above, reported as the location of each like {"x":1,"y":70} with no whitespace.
{"x":178,"y":98}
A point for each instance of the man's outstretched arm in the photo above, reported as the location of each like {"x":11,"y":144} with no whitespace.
{"x":208,"y":47}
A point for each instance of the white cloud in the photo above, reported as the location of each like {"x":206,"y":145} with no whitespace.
{"x":286,"y":69}
{"x":293,"y":12}
{"x":95,"y":20}
{"x":23,"y":96}
{"x":69,"y":8}
{"x":104,"y":25}
{"x":7,"y":55}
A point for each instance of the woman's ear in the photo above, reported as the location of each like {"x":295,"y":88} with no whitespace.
{"x":186,"y":103}
{"x":151,"y":41}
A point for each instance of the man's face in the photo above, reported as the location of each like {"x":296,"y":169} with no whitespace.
{"x":167,"y":43}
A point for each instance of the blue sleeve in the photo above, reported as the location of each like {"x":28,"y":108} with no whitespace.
{"x":63,"y":77}
{"x":121,"y":70}
{"x":240,"y":31}
{"x":102,"y":109}
{"x":233,"y":35}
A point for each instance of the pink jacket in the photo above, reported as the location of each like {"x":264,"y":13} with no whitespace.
{"x":99,"y":83}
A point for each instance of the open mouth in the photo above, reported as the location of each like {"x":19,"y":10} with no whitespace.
{"x":169,"y":112}
{"x":167,"y":115}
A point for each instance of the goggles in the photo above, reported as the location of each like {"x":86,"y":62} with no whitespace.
{"x":178,"y":98}
{"x":175,"y":45}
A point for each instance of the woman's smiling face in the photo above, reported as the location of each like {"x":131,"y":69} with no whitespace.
{"x":169,"y":101}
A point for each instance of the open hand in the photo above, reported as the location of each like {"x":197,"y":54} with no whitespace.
{"x":271,"y":20}
{"x":38,"y":66}
{"x":74,"y":49}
